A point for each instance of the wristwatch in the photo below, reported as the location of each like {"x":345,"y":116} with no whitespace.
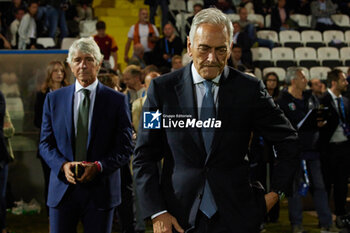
{"x":281,"y":194}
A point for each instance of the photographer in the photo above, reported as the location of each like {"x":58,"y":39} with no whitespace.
{"x":143,"y":33}
{"x":297,"y":104}
{"x":167,"y":47}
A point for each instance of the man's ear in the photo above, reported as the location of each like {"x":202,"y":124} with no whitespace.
{"x":189,"y":49}
{"x":230,"y":51}
{"x":99,"y":66}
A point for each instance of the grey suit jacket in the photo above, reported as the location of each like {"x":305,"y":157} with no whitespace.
{"x":317,"y":13}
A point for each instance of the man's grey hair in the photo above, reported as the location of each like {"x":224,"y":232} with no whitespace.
{"x":211,"y":16}
{"x":292,"y":74}
{"x":87,"y":46}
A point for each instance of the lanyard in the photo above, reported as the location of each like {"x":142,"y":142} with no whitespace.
{"x":342,"y":108}
{"x":306,"y":176}
{"x":167,"y":49}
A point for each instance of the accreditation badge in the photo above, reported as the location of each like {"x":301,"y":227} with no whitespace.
{"x":292,"y":106}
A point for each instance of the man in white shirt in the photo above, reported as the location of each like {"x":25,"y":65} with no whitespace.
{"x":142,"y":32}
{"x":27,"y":28}
{"x":15,"y":26}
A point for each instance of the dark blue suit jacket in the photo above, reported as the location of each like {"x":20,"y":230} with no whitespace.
{"x":109,"y":142}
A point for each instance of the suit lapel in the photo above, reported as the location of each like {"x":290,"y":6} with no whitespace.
{"x":69,"y":116}
{"x":332,"y":103}
{"x":222,"y":95}
{"x":188,"y":106}
{"x":98,"y":109}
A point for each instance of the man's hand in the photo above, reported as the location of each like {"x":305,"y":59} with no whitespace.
{"x":320,"y":124}
{"x":126,"y":59}
{"x":7,"y":45}
{"x":164,"y":224}
{"x":89,"y":173}
{"x":271,"y":199}
{"x":66,"y":168}
{"x":285,"y":25}
{"x":153,"y":38}
{"x":115,"y":68}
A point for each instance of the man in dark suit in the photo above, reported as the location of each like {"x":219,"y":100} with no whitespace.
{"x":335,"y":142}
{"x":86,"y":124}
{"x":204,"y":183}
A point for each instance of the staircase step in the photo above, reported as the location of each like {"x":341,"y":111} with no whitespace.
{"x":119,"y":16}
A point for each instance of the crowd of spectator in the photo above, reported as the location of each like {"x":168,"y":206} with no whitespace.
{"x":23,"y":21}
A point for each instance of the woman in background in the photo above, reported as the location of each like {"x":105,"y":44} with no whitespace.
{"x":261,"y":154}
{"x":272,"y":84}
{"x":56,"y":77}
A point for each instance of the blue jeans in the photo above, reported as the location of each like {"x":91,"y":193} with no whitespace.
{"x":165,"y":9}
{"x":3,"y":182}
{"x":41,"y":15}
{"x":56,"y":17}
{"x":320,"y":198}
{"x":250,"y":29}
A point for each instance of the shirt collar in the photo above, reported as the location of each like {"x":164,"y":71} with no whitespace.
{"x":332,"y":94}
{"x":198,"y":79}
{"x":91,"y":87}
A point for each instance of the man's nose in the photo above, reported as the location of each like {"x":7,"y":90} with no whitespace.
{"x":83,"y":63}
{"x":212,"y":56}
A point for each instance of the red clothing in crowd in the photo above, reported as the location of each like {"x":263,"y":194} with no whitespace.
{"x":107,"y":45}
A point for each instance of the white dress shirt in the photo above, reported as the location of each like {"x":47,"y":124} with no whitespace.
{"x":200,"y":89}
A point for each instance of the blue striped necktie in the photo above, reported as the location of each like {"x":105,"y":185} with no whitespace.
{"x":208,"y":206}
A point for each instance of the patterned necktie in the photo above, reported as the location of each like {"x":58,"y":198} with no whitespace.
{"x":208,"y":206}
{"x":207,"y":112}
{"x":82,"y":127}
{"x":341,"y":115}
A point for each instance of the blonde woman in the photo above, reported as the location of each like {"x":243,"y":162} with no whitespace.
{"x":56,"y":77}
